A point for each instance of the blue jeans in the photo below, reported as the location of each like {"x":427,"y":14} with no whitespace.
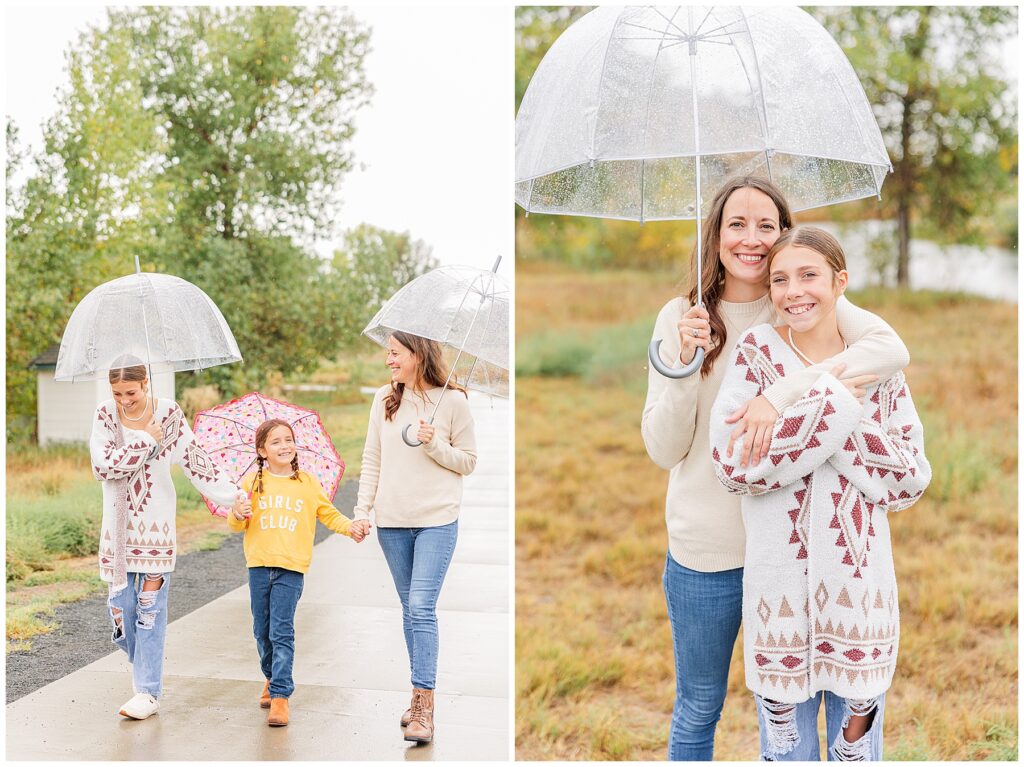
{"x":789,"y":731}
{"x":418,"y":558}
{"x":705,"y":611}
{"x":140,"y":626}
{"x":274,"y":593}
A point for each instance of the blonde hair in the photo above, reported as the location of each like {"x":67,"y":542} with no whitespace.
{"x":812,"y":238}
{"x":126,"y":368}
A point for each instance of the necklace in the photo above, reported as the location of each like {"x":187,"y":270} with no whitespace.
{"x":803,"y":356}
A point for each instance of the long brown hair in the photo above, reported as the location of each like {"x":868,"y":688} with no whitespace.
{"x":712,"y":271}
{"x":260,"y":442}
{"x":430,"y":368}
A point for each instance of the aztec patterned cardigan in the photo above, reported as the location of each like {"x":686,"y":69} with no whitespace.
{"x":137,"y":488}
{"x":820,"y":609}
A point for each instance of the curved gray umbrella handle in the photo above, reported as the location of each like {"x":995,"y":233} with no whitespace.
{"x":665,"y":370}
{"x":405,"y":437}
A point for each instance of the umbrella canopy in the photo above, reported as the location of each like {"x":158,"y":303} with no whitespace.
{"x":461,"y":307}
{"x":227,"y":433}
{"x":627,"y":98}
{"x":643,"y":113}
{"x":158,"y":318}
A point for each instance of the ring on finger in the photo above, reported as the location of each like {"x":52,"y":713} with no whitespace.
{"x":696,"y":333}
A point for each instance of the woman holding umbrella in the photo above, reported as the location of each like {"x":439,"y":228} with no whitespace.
{"x":415,"y":494}
{"x":135,"y":440}
{"x":703,"y":578}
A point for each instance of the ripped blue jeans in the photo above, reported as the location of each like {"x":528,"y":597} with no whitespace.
{"x":789,"y":731}
{"x":140,"y":626}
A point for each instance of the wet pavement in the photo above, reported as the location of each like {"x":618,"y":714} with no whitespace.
{"x":351,"y":668}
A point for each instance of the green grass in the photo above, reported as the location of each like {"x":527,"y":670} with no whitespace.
{"x":609,"y":354}
{"x":59,"y":522}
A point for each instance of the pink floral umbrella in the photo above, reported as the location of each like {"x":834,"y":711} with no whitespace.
{"x":228,"y":432}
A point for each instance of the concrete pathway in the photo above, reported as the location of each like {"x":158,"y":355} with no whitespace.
{"x":351,"y":668}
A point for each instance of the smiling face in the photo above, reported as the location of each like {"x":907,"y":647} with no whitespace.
{"x":750,"y":226}
{"x":403,"y":362}
{"x":804,"y":288}
{"x":278,"y":449}
{"x":130,"y":395}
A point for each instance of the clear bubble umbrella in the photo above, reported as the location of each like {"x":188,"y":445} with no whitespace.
{"x":628,"y":99}
{"x":463,"y":308}
{"x":165,"y":321}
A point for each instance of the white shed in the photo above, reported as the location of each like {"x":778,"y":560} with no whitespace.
{"x":64,"y":411}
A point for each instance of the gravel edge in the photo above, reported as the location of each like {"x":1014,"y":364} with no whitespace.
{"x":83,"y":635}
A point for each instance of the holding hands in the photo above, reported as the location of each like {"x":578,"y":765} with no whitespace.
{"x":359,"y":530}
{"x":694,"y":333}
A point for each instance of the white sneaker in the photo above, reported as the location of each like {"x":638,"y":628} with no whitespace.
{"x":142,"y":706}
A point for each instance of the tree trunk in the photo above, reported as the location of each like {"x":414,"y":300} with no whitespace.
{"x":904,"y":193}
{"x":903,"y":232}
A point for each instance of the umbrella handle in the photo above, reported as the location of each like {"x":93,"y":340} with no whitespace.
{"x":665,"y":370}
{"x":405,"y":437}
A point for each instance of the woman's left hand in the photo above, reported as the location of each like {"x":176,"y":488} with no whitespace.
{"x":426,"y":432}
{"x":757,"y":419}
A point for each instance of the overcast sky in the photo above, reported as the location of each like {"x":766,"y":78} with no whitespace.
{"x":435,"y":142}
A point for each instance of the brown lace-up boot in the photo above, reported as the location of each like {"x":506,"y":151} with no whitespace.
{"x":421,"y":726}
{"x":407,"y":716}
{"x":265,"y":697}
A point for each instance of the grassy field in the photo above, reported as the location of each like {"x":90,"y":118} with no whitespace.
{"x":594,"y":665}
{"x":54,"y":504}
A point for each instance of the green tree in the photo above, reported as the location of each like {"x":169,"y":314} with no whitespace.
{"x":211,"y":142}
{"x":370,"y":266}
{"x":946,"y":112}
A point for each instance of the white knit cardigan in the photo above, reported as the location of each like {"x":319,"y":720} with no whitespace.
{"x":142,"y":468}
{"x":820,"y":608}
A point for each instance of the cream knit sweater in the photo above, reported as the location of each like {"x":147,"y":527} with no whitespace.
{"x":820,"y":607}
{"x":416,"y":486}
{"x":705,"y":529}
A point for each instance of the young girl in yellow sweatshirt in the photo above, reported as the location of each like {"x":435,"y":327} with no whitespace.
{"x":279,"y":521}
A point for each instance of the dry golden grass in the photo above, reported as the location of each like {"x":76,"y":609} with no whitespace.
{"x":594,"y":662}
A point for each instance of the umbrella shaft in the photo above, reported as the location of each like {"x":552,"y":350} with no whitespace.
{"x":696,"y":155}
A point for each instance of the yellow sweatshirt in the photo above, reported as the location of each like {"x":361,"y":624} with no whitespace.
{"x":280,"y":531}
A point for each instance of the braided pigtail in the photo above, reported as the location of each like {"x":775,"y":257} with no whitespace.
{"x":259,"y":474}
{"x":295,"y":466}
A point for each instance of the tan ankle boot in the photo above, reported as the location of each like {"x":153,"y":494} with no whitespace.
{"x":265,"y":697}
{"x":407,"y":716}
{"x":421,"y":726}
{"x":278,"y":712}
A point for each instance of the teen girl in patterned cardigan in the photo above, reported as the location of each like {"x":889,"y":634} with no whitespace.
{"x":820,"y":607}
{"x":132,"y":448}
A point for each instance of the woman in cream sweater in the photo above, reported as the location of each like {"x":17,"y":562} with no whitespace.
{"x":415,"y":495}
